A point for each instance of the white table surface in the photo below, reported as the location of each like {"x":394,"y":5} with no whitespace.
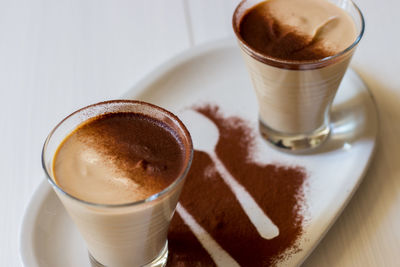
{"x":57,"y":56}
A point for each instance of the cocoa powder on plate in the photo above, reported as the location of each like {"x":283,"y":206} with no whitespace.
{"x":277,"y":189}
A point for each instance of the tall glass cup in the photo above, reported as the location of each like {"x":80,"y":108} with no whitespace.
{"x":294,"y":98}
{"x":131,"y":234}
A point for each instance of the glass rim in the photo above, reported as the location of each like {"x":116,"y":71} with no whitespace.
{"x":178,"y":180}
{"x":292,"y":64}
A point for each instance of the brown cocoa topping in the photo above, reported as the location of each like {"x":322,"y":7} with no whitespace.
{"x":267,"y":36}
{"x":145,"y":149}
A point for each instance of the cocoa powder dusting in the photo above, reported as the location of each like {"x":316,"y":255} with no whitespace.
{"x":277,"y":190}
{"x":261,"y":31}
{"x":152,"y":156}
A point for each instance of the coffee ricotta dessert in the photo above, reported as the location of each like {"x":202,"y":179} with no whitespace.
{"x":118,"y":158}
{"x":296,"y":53}
{"x":123,"y":172}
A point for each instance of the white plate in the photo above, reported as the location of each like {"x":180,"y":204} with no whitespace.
{"x":215,"y":73}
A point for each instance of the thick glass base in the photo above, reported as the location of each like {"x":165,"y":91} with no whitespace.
{"x":159,"y":261}
{"x":295,"y":142}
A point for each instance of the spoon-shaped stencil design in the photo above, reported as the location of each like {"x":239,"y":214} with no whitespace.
{"x":217,"y":253}
{"x":205,"y":137}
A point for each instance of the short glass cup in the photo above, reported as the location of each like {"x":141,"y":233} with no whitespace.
{"x":131,"y":234}
{"x":294,"y":98}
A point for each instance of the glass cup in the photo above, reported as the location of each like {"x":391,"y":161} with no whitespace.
{"x":294,"y":98}
{"x":132,"y":234}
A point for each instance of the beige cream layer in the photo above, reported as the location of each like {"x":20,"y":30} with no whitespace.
{"x":126,"y":236}
{"x":87,"y":174}
{"x":294,"y":101}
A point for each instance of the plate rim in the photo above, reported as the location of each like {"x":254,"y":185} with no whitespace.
{"x":27,"y":226}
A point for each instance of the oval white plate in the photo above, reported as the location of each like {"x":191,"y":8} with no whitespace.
{"x":215,"y":73}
